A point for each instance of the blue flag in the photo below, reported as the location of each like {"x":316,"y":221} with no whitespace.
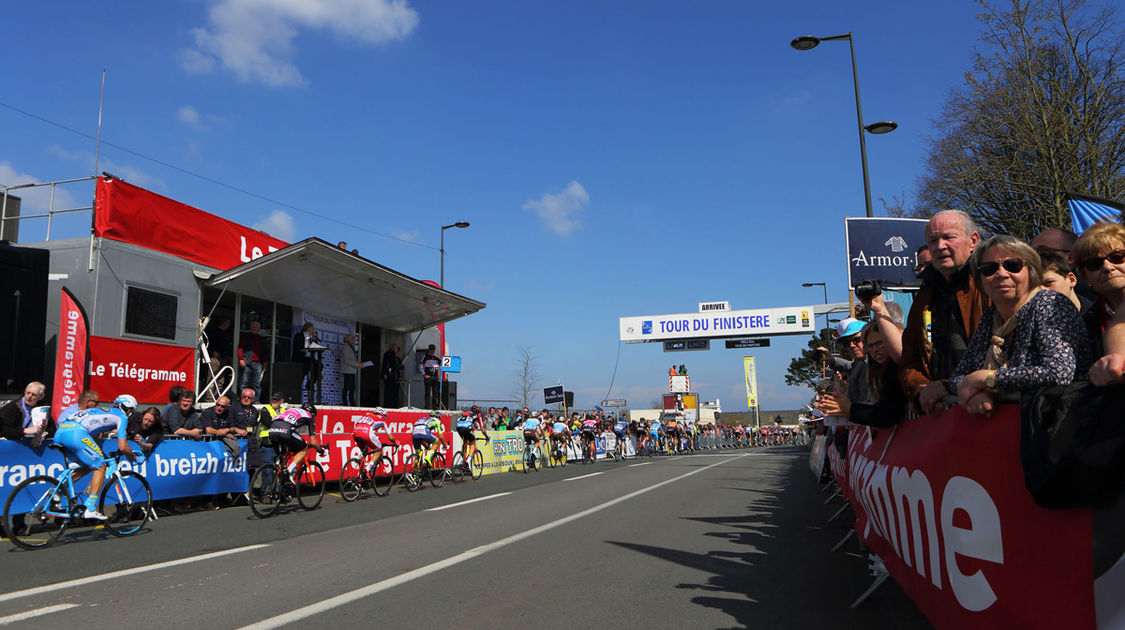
{"x":1086,"y":210}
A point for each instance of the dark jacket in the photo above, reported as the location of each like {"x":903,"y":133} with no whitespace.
{"x":11,"y":421}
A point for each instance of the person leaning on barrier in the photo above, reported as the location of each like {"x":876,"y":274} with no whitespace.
{"x":15,"y":417}
{"x":1027,"y":338}
{"x":1100,"y":254}
{"x":183,"y":419}
{"x":145,"y":429}
{"x":848,"y":335}
{"x":952,"y":303}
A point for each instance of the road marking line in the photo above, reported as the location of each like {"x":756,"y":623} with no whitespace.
{"x":640,"y":464}
{"x":38,"y":590}
{"x":378,"y":587}
{"x":453,"y":505}
{"x":585,"y":476}
{"x":35,"y":613}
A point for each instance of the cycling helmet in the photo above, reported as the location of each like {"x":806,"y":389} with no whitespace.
{"x":379,"y":411}
{"x":435,"y":414}
{"x":40,"y":416}
{"x":125,"y":402}
{"x":309,"y":407}
{"x":474,"y":409}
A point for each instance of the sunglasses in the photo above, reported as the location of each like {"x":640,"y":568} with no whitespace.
{"x":1116,"y":257}
{"x":221,"y":406}
{"x":1011,"y":265}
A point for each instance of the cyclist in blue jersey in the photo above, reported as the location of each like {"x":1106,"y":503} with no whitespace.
{"x":468,"y":422}
{"x":427,"y":434}
{"x":532,"y":431}
{"x":78,"y":434}
{"x":619,"y":429}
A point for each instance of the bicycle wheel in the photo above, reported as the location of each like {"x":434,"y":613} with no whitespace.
{"x":310,"y":485}
{"x":412,"y":476}
{"x":476,"y":466}
{"x":352,"y":479}
{"x":382,"y":476}
{"x":127,"y":503}
{"x":30,"y":512}
{"x":457,"y":471}
{"x":265,"y":491}
{"x":618,"y":454}
{"x":437,"y":470}
{"x":526,"y":459}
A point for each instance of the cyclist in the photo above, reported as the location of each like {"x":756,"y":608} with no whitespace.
{"x":619,"y":429}
{"x":560,"y":434}
{"x":369,"y":430}
{"x":427,"y":434}
{"x":283,"y":432}
{"x":468,"y":422}
{"x":672,"y":432}
{"x":532,"y":432}
{"x":77,"y":435}
{"x":590,"y":434}
{"x":654,"y":431}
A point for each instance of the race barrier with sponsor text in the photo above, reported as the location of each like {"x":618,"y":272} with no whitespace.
{"x":941,"y":499}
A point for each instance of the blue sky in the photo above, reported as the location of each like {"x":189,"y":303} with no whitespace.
{"x":614,"y":158}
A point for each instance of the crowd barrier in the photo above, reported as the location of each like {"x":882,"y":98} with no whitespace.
{"x":941,"y":500}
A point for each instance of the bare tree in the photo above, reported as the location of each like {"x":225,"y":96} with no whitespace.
{"x":1041,"y":113}
{"x":527,"y":376}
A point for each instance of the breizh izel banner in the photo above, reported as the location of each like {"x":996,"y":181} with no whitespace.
{"x":789,"y":320}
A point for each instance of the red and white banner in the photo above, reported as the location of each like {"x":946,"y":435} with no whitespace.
{"x":124,"y":212}
{"x":941,"y":499}
{"x":70,"y":357}
{"x":145,"y":370}
{"x":334,"y":430}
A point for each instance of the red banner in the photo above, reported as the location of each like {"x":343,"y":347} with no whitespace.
{"x":124,"y":212}
{"x":70,"y":358}
{"x":334,"y":430}
{"x":941,"y":499}
{"x":145,"y":370}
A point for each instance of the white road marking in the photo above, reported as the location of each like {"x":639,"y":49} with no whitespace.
{"x":35,"y":613}
{"x":38,"y":590}
{"x":378,"y":587}
{"x":453,"y":505}
{"x":640,"y":464}
{"x":585,"y":476}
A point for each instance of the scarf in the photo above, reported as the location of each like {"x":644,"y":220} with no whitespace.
{"x":995,"y":357}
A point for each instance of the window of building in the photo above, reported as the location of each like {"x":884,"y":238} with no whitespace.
{"x":150,"y":313}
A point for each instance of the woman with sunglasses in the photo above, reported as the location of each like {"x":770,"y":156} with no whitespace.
{"x":1028,"y":338}
{"x":1100,"y":255}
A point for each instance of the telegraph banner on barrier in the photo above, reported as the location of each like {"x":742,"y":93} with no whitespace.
{"x":941,"y":499}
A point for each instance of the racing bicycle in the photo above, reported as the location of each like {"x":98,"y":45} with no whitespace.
{"x":40,"y":508}
{"x":272,"y":486}
{"x":372,"y":470}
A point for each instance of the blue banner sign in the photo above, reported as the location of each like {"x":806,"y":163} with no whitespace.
{"x":884,"y":249}
{"x":552,"y":395}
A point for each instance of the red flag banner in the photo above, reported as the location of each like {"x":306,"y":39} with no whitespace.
{"x":941,"y":499}
{"x":145,"y":370}
{"x":128,"y":213}
{"x":70,"y":357}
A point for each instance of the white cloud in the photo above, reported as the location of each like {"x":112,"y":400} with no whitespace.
{"x":278,"y":225}
{"x":414,"y":236}
{"x":131,"y":174}
{"x":254,"y":38}
{"x":560,"y":211}
{"x":188,"y":115}
{"x":37,"y":200}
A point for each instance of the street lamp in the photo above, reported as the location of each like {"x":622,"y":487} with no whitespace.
{"x":825,"y":287}
{"x":808,"y":43}
{"x":459,"y":224}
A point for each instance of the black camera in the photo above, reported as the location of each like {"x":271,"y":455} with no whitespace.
{"x":868,"y":289}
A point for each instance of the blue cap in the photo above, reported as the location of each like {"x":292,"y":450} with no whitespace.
{"x":849,"y":327}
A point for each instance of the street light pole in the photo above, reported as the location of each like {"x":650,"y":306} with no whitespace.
{"x":459,"y":224}
{"x":808,"y":43}
{"x":824,"y":286}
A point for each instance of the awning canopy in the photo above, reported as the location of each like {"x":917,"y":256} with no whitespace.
{"x":316,"y":276}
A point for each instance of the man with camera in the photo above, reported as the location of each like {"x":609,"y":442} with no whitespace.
{"x":946,"y":311}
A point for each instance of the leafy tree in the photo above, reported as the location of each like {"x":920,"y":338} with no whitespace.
{"x":806,"y":368}
{"x":1041,"y":113}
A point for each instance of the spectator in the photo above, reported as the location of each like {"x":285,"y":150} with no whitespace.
{"x":349,"y":367}
{"x":15,"y":417}
{"x":1061,"y":243}
{"x":266,"y":416}
{"x":1100,"y":253}
{"x":244,"y":415}
{"x":145,"y":429}
{"x":182,"y":419}
{"x":431,"y":377}
{"x":501,"y":422}
{"x":1027,"y":338}
{"x":833,"y":404}
{"x":887,"y":405}
{"x":217,"y":420}
{"x":391,"y":373}
{"x":1058,"y":276}
{"x":888,"y":318}
{"x":174,"y":394}
{"x":922,"y":259}
{"x":253,"y":356}
{"x":88,"y":399}
{"x":953,"y":305}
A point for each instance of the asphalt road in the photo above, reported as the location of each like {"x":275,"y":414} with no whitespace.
{"x":719,"y":540}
